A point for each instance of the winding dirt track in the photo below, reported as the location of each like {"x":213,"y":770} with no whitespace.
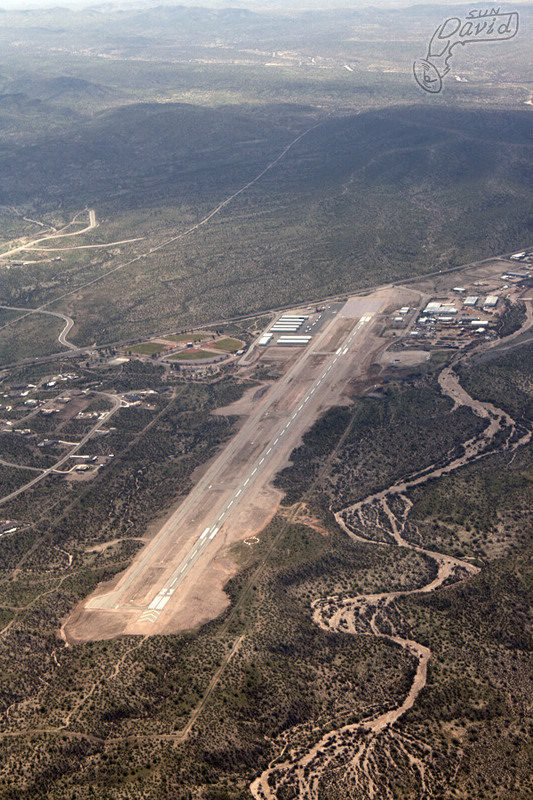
{"x":368,"y":756}
{"x":156,"y":248}
{"x":60,"y":234}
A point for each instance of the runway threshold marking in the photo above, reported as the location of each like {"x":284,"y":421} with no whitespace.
{"x":149,"y":616}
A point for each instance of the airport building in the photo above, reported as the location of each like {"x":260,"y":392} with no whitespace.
{"x":285,"y":328}
{"x":264,"y":339}
{"x":514,"y":276}
{"x":436,"y":307}
{"x":294,"y":340}
{"x":432,"y":308}
{"x":288,"y":323}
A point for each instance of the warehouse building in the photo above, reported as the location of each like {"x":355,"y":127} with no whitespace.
{"x":432,"y":308}
{"x":288,"y":323}
{"x":294,"y":340}
{"x":436,"y":307}
{"x":264,"y":339}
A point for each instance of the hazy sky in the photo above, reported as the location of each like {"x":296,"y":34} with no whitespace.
{"x":251,"y":4}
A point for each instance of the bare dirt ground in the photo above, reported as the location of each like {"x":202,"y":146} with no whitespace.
{"x":244,"y":406}
{"x":373,"y":739}
{"x":405,"y":358}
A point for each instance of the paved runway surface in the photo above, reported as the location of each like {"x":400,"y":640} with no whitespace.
{"x":222,"y":507}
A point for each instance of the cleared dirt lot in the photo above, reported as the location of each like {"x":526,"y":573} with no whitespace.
{"x":405,"y":358}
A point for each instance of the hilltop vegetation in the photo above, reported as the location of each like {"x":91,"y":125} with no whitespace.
{"x":359,"y":200}
{"x":155,"y":116}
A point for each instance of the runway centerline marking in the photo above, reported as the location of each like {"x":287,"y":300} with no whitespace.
{"x":202,"y":542}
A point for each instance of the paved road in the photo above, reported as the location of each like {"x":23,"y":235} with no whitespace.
{"x":117,"y":403}
{"x":69,"y":322}
{"x":242,"y":317}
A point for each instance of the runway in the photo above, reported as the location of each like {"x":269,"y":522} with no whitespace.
{"x":277,"y":441}
{"x":174,"y":572}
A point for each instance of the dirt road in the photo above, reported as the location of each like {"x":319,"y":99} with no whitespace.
{"x":156,"y":248}
{"x":60,"y":234}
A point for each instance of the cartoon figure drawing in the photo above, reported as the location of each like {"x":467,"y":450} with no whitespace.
{"x":489,"y":25}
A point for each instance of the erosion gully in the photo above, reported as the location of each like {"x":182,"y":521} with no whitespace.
{"x":366,"y":757}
